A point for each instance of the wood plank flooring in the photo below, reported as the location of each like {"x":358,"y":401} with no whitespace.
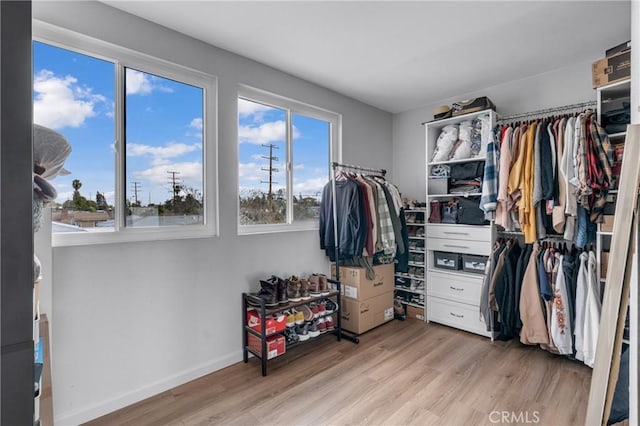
{"x":404,"y":372}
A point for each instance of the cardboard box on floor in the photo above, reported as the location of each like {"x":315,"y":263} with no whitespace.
{"x":359,"y":316}
{"x":356,"y":285}
{"x":415,"y":312}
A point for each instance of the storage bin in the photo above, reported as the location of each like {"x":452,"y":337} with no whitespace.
{"x":445,"y":260}
{"x":438,"y":185}
{"x":474,"y":264}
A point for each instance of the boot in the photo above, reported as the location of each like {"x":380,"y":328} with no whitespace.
{"x":324,"y":285}
{"x":293,"y":289}
{"x":268,"y":293}
{"x":304,"y":289}
{"x":314,"y":285}
{"x":281,"y":285}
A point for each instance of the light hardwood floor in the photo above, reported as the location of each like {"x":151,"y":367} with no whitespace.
{"x":404,"y":372}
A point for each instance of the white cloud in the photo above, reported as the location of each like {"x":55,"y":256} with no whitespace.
{"x":310,"y":186}
{"x":61,"y":102}
{"x":196,"y":123}
{"x":138,"y":83}
{"x":64,"y":196}
{"x":247,"y":108}
{"x":253,"y":172}
{"x":189,"y":173}
{"x":272,"y":131}
{"x":170,"y":150}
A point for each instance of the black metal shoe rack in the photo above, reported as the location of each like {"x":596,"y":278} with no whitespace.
{"x":264,"y":311}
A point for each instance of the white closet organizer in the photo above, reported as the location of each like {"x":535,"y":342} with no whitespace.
{"x":453,"y":295}
{"x":409,"y":287}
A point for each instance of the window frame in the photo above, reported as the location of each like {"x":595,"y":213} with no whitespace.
{"x":291,"y":107}
{"x":124,"y":58}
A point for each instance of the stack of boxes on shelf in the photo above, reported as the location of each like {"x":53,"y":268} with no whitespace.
{"x":366,"y":302}
{"x":275,"y":324}
{"x":409,"y":286}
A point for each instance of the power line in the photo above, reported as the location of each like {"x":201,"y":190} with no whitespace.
{"x":136,"y":187}
{"x":271,"y":171}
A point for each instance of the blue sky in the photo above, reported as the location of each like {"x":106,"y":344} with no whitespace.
{"x":74,"y":95}
{"x":263,"y":125}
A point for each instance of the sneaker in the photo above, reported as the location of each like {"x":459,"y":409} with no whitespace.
{"x":291,"y":336}
{"x":328,"y":321}
{"x":313,"y":328}
{"x":298,"y":317}
{"x":293,"y":289}
{"x":324,"y":285}
{"x":330,"y":306}
{"x":414,"y":284}
{"x":314,"y":285}
{"x":306,"y":313}
{"x":291,"y":318}
{"x":322,"y":326}
{"x":304,"y":289}
{"x":302,"y":331}
{"x":315,"y":310}
{"x":322,"y":308}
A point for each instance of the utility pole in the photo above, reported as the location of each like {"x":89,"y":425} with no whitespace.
{"x":136,"y":187}
{"x":271,"y":171}
{"x":174,"y":181}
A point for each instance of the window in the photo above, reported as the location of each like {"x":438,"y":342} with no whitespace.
{"x":142,"y":133}
{"x":284,"y":152}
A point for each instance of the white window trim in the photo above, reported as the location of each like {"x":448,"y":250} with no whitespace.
{"x":127,"y":58}
{"x":335,"y":154}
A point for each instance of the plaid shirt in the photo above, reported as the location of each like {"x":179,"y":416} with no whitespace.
{"x":600,"y":160}
{"x":387,"y":235}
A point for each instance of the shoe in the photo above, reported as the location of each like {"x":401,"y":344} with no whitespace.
{"x":324,"y":285}
{"x":314,"y":308}
{"x":414,"y":285}
{"x":302,"y":331}
{"x":420,"y":232}
{"x":291,"y":336}
{"x":268,"y":293}
{"x":298,"y":317}
{"x":322,"y":326}
{"x":328,"y":321}
{"x":293,"y":289}
{"x":322,"y":309}
{"x":304,"y":289}
{"x":314,"y":285}
{"x":291,"y":319}
{"x":313,"y":328}
{"x":398,"y":307}
{"x":281,"y":286}
{"x":307,"y":313}
{"x":419,"y":272}
{"x":330,"y":306}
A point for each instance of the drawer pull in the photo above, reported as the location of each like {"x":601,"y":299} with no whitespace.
{"x":453,"y":246}
{"x":455,"y":233}
{"x":456,"y":315}
{"x":456,"y":288}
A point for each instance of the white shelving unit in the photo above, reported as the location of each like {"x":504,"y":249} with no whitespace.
{"x":453,"y":296}
{"x":414,"y":294}
{"x":609,"y":98}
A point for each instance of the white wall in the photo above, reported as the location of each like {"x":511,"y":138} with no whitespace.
{"x":131,"y":320}
{"x":564,"y":86}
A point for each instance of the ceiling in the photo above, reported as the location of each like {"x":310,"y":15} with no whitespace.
{"x":398,"y":55}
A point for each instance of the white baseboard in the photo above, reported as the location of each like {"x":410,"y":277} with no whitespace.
{"x":94,"y":411}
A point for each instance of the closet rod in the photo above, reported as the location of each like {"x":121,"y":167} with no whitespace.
{"x":581,"y":105}
{"x":354,"y":167}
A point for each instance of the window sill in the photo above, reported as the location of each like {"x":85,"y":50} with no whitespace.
{"x":129,"y":236}
{"x":272,"y":229}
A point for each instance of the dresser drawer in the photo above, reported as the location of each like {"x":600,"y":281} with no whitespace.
{"x":455,"y":287}
{"x":459,"y":232}
{"x":459,"y":246}
{"x":457,"y":315}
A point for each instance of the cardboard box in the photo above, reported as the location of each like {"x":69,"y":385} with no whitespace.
{"x":607,"y":224}
{"x":415,"y":312}
{"x":275,"y":345}
{"x":359,"y":316}
{"x":604,"y":264}
{"x":356,"y":285}
{"x":275,"y":323}
{"x":611,"y":70}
